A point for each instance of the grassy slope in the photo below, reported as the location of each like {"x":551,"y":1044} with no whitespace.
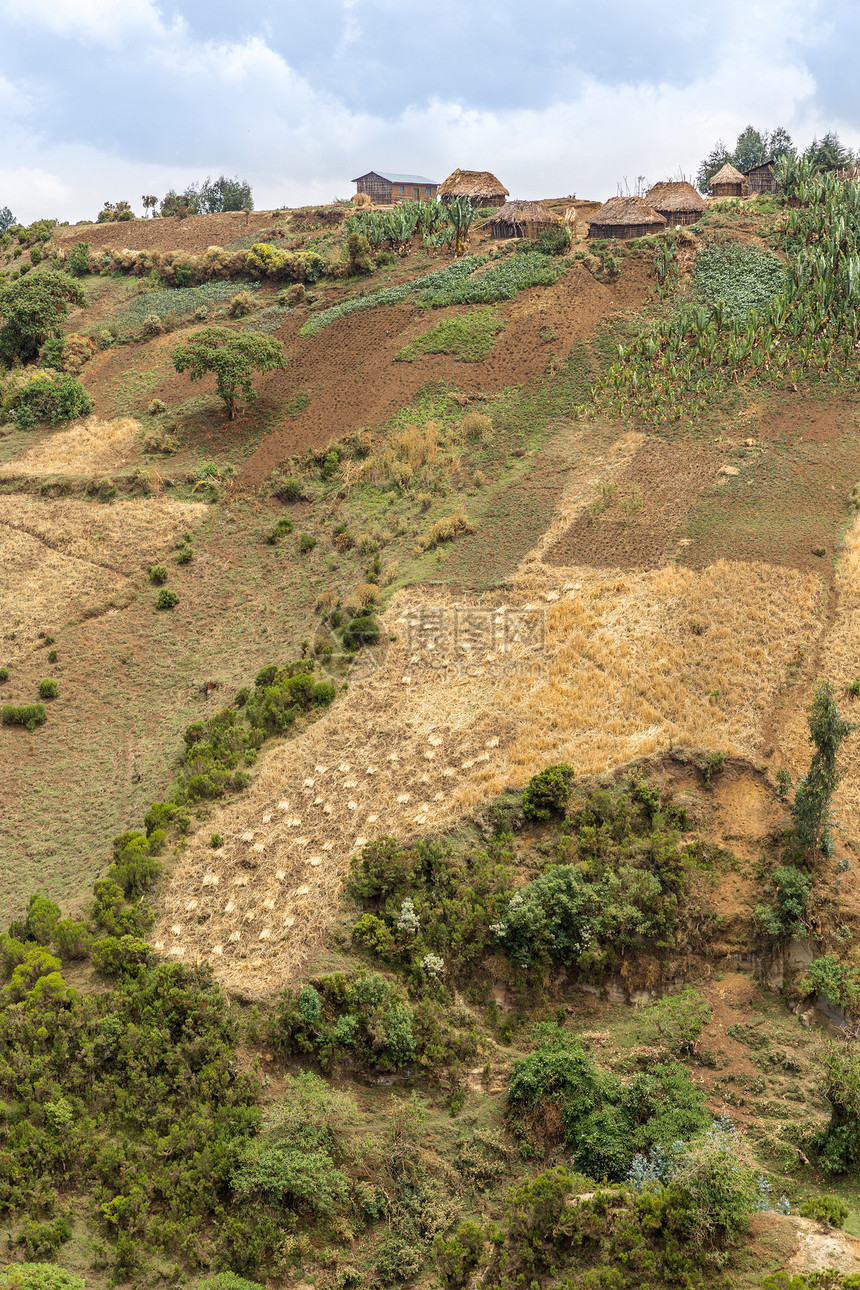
{"x":131,"y":682}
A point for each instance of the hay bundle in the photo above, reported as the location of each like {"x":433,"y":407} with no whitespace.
{"x":625,"y":217}
{"x":480,"y":186}
{"x":677,"y":202}
{"x":522,"y":219}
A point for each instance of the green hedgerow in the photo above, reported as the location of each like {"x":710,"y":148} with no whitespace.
{"x":48,"y":689}
{"x":167,"y":599}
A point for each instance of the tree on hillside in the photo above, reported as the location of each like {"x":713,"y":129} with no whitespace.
{"x":829,"y":153}
{"x":715,"y":160}
{"x":811,"y":808}
{"x":780,"y":144}
{"x":750,"y":149}
{"x":231,"y":357}
{"x":223,"y":194}
{"x":7,"y":219}
{"x":149,"y":202}
{"x":34,"y":310}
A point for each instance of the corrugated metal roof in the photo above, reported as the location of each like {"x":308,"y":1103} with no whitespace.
{"x":398,"y":179}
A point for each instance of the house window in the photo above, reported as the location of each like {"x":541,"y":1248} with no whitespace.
{"x":401,"y":190}
{"x":426,"y":192}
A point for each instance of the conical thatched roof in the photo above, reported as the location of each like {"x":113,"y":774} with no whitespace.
{"x":727,"y":175}
{"x":675,"y":196}
{"x":633,"y":211}
{"x":523,"y":213}
{"x":473,"y":183}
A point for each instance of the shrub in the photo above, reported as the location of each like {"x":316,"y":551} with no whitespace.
{"x":50,"y":397}
{"x":78,"y":260}
{"x":29,"y":715}
{"x":838,"y":1144}
{"x":114,"y":955}
{"x":476,"y":426}
{"x":550,"y":920}
{"x":445,"y":530}
{"x":71,"y":939}
{"x":458,"y":1257}
{"x":306,"y":543}
{"x":283,"y":526}
{"x":153,"y":325}
{"x":34,"y":311}
{"x":546,"y":793}
{"x":156,"y":407}
{"x":48,"y":689}
{"x":676,"y":1021}
{"x":4,"y":674}
{"x":39,"y":1276}
{"x":241,"y":305}
{"x":167,"y":599}
{"x":604,"y":1121}
{"x":810,"y":810}
{"x":554,"y":241}
{"x":825,"y":1209}
{"x":52,"y":656}
{"x":785,"y":917}
{"x":158,"y":574}
{"x":361,"y":631}
{"x":720,"y":1188}
{"x":41,"y":921}
{"x":42,"y":1240}
{"x":185,"y":554}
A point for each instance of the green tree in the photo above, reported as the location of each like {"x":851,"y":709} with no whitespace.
{"x":751,"y":148}
{"x":811,"y":808}
{"x":715,"y":160}
{"x":780,"y":144}
{"x":828,"y":153}
{"x":7,"y":219}
{"x":231,"y":357}
{"x":34,"y":310}
{"x":223,"y":194}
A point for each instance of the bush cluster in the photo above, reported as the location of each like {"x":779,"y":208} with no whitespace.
{"x":365,"y":1021}
{"x":557,"y":1096}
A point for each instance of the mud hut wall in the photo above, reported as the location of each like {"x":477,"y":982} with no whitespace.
{"x":623,"y":232}
{"x":727,"y":190}
{"x":482,"y":202}
{"x":678,"y":217}
{"x":761,"y":179}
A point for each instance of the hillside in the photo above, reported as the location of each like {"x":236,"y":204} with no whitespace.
{"x":363,"y":993}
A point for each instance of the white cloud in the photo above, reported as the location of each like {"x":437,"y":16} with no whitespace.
{"x":101,"y":22}
{"x":181,"y":107}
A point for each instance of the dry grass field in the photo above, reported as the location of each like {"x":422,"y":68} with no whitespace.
{"x":66,"y":560}
{"x":88,"y":447}
{"x":473,"y":695}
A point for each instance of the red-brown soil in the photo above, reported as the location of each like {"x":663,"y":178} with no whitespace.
{"x":349,"y":373}
{"x":194,"y":234}
{"x":637,"y":525}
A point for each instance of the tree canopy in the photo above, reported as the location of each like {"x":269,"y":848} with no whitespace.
{"x":34,"y":309}
{"x":752,"y":147}
{"x":209,"y":197}
{"x":231,"y":357}
{"x":7,"y":219}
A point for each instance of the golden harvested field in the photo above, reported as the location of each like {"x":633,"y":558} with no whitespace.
{"x":87,"y":448}
{"x":590,"y":669}
{"x":67,"y":559}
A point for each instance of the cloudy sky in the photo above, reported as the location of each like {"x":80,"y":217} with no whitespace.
{"x":108,"y":99}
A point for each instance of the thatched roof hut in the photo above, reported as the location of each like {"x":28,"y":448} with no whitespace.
{"x":481,"y":187}
{"x":728,"y":182}
{"x":761,"y":178}
{"x":522,"y":219}
{"x":677,"y":202}
{"x":625,"y":217}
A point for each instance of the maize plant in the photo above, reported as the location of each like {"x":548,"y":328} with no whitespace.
{"x":808,"y":328}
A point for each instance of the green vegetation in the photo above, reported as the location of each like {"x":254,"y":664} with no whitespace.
{"x":469,"y":337}
{"x":604,"y":1122}
{"x":808,"y":329}
{"x":738,"y":276}
{"x":34,"y":311}
{"x":810,"y":810}
{"x":175,"y":305}
{"x":231,"y":358}
{"x":30,"y":715}
{"x":547,"y":792}
{"x":48,"y":689}
{"x":44,"y":396}
{"x":459,"y":283}
{"x":167,"y":598}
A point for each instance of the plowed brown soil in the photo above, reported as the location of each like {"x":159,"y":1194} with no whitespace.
{"x":637,"y":525}
{"x":194,"y":234}
{"x":349,"y":373}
